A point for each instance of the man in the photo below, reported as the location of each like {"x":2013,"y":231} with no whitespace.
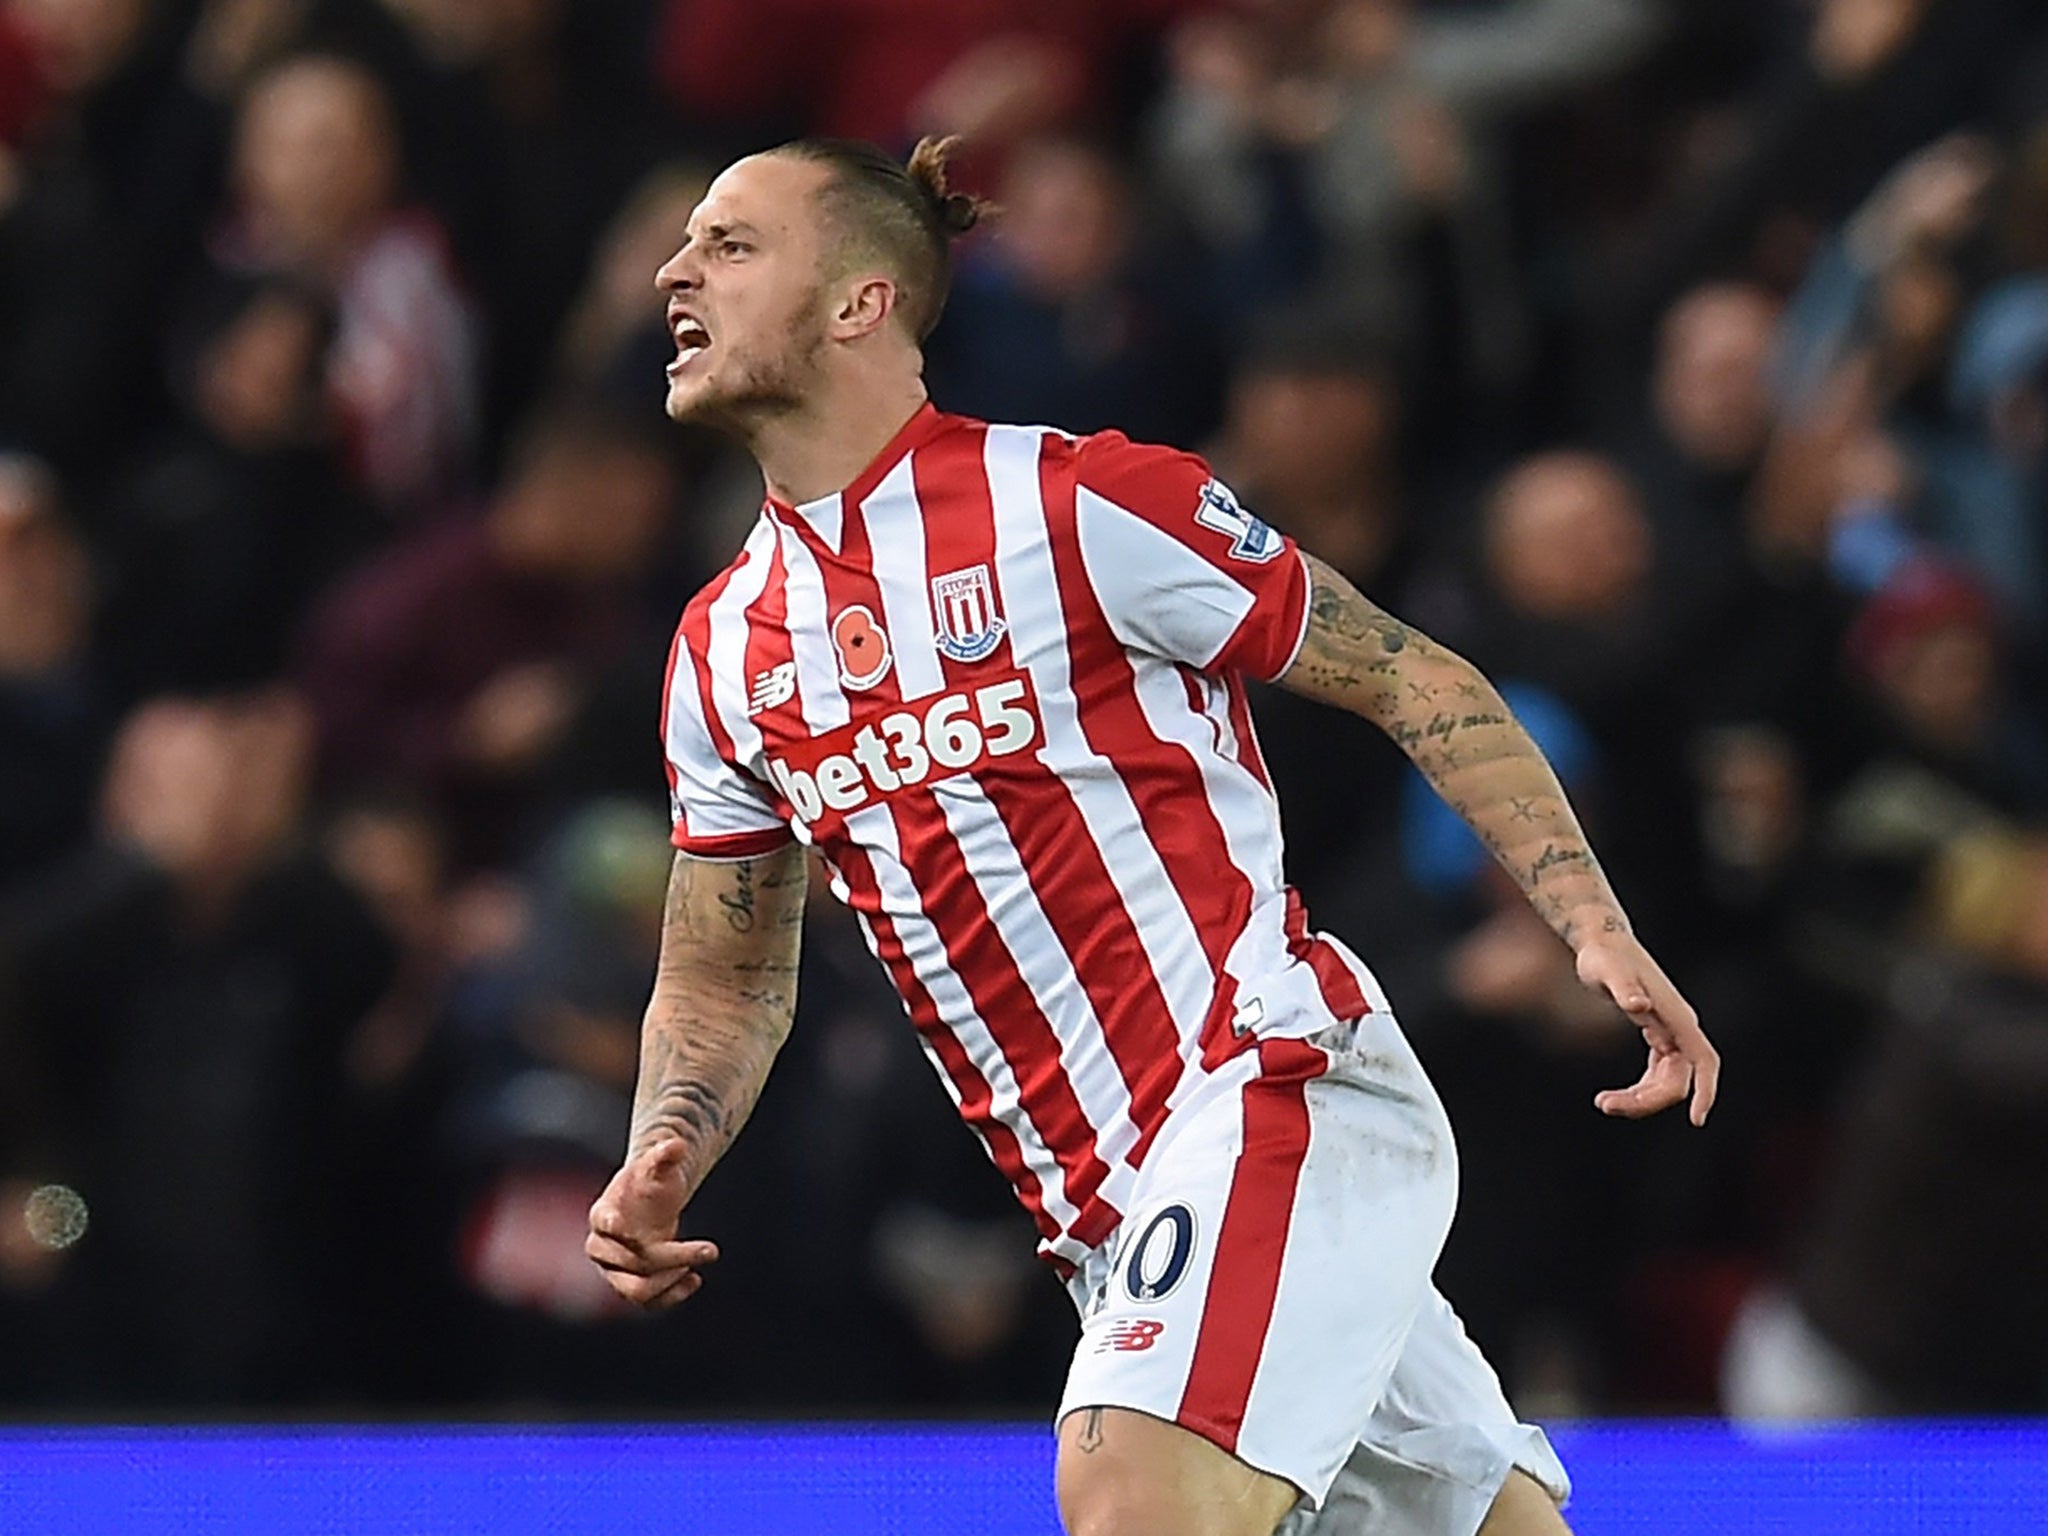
{"x":993,"y":676}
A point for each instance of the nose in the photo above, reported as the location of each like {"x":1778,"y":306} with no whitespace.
{"x":680,"y":273}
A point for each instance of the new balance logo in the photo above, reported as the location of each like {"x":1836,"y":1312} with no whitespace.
{"x":775,"y":686}
{"x":1131,"y":1335}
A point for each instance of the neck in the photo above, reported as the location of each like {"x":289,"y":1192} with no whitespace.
{"x":822,"y":446}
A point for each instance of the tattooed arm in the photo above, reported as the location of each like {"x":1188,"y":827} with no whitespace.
{"x":724,"y":991}
{"x":1454,"y":726}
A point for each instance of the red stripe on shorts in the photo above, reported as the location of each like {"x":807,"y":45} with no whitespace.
{"x":1251,"y":1243}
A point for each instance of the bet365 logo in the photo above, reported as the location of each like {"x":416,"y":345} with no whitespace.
{"x":844,"y":770}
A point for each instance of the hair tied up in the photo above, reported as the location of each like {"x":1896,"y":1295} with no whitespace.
{"x":955,"y":212}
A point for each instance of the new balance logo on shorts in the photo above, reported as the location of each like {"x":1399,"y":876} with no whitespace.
{"x":1131,"y":1335}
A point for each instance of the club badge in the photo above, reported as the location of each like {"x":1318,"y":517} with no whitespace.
{"x":965,"y":623}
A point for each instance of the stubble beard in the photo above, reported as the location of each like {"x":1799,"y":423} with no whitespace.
{"x":761,"y":389}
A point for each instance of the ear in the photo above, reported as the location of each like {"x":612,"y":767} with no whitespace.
{"x":865,"y":305}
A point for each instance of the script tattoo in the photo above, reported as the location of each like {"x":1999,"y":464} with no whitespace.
{"x":739,"y":901}
{"x":1463,"y":738}
{"x":1558,"y":858}
{"x":724,"y":994}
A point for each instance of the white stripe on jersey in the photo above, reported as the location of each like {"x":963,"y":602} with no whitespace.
{"x":1237,"y":798}
{"x":827,"y":519}
{"x":925,"y":952}
{"x":1216,"y":705}
{"x":689,"y":751}
{"x":1041,"y":960}
{"x":895,"y":525}
{"x":727,"y":658}
{"x":1124,"y":587}
{"x":819,"y":695}
{"x":1031,"y":598}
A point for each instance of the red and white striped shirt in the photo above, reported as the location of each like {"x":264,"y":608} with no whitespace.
{"x":997,"y":684}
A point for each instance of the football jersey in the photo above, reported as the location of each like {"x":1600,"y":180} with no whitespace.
{"x":997,"y":683}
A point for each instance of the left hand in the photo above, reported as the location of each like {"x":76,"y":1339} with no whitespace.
{"x":1682,"y":1060}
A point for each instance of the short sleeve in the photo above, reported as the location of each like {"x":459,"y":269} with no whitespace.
{"x":719,"y":810}
{"x":1180,"y":568}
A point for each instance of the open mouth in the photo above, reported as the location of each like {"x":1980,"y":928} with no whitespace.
{"x":692,"y":342}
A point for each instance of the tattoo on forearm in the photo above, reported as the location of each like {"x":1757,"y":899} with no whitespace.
{"x":1341,"y":612}
{"x":687,"y":1105}
{"x":1553,"y":857}
{"x":1475,"y":754}
{"x":739,"y":901}
{"x":724,"y":996}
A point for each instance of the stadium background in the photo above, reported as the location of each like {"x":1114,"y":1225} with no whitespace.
{"x":1684,"y":362}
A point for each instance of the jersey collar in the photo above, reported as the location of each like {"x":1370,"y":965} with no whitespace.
{"x":826,"y":516}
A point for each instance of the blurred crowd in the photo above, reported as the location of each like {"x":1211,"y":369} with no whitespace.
{"x":1683,"y":362}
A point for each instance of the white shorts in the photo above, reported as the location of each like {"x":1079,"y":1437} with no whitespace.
{"x":1270,"y":1290}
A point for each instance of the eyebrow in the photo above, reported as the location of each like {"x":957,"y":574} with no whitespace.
{"x":717,"y":231}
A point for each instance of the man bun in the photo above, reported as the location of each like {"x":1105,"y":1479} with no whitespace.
{"x":955,"y":212}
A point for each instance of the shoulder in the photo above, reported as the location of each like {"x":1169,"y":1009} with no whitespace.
{"x":1143,"y":477}
{"x":696,"y":616}
{"x":1166,"y":489}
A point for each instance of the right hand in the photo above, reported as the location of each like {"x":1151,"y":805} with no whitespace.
{"x":633,"y":1231}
